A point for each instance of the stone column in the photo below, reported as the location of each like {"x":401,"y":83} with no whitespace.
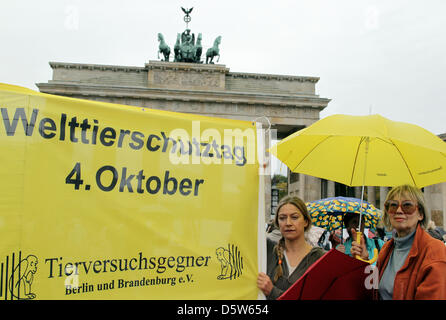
{"x":302,"y":185}
{"x":330,"y":188}
{"x":434,"y":203}
{"x":382,"y":196}
{"x":371,"y":196}
{"x":265,"y":169}
{"x":358,"y":192}
{"x":312,"y":188}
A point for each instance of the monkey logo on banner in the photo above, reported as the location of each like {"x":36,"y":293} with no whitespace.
{"x":17,"y":278}
{"x":231,"y":262}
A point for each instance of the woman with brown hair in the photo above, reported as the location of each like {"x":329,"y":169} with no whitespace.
{"x":293,"y":255}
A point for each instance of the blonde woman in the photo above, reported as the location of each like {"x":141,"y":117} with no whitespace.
{"x":288,"y":260}
{"x":412,"y":265}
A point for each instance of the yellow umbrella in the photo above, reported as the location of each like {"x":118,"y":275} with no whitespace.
{"x":365,"y":150}
{"x":337,"y":147}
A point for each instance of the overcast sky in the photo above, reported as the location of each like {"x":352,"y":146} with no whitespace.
{"x":386,"y":57}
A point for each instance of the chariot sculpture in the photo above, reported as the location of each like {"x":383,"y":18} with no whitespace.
{"x":187,"y":48}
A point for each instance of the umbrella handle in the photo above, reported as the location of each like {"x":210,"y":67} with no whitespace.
{"x":375,"y":251}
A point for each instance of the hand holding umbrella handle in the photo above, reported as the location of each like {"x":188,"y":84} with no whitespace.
{"x":375,"y":251}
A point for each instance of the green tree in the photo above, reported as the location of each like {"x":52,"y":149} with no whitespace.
{"x":281,"y":183}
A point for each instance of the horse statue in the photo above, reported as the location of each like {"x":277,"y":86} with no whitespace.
{"x":163,"y":48}
{"x":198,"y":49}
{"x":177,"y":49}
{"x":214,"y":51}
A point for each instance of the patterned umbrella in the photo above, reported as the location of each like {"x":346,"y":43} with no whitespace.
{"x":328,"y":213}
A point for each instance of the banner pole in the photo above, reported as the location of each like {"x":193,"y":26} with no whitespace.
{"x":261,"y":234}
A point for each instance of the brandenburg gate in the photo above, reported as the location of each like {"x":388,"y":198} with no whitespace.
{"x":181,"y":81}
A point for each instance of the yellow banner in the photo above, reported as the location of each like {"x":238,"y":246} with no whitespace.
{"x":106,"y":201}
